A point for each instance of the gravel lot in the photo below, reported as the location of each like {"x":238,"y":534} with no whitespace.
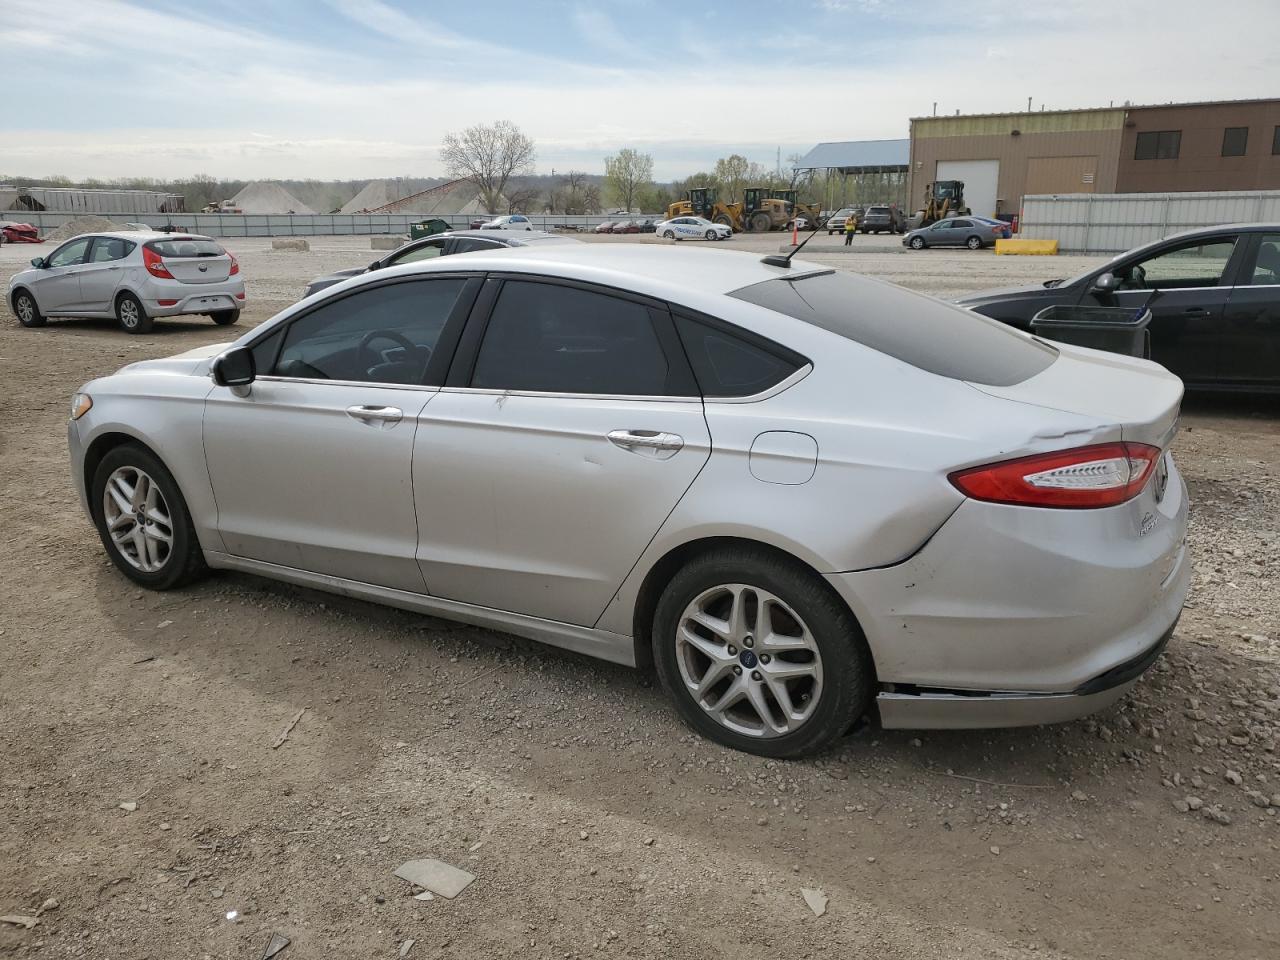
{"x":595,"y":823}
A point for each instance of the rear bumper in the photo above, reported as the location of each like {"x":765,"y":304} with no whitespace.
{"x":1013,"y":616}
{"x":957,"y":709}
{"x":194,"y":298}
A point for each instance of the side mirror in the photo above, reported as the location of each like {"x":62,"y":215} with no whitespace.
{"x":376,"y":265}
{"x":38,"y":262}
{"x":1106,"y":281}
{"x":235,"y":368}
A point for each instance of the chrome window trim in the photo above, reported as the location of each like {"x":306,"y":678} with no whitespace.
{"x":784,"y":384}
{"x":493,"y":392}
{"x":272,"y":378}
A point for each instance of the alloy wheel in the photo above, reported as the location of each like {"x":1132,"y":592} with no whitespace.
{"x":129,"y":313}
{"x":26,"y":309}
{"x":138,"y":519}
{"x":749,"y":660}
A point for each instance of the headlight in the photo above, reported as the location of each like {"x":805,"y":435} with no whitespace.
{"x":81,"y":404}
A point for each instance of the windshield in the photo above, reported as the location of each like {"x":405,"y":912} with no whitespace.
{"x":914,"y":328}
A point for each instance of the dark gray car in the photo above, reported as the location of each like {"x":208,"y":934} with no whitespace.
{"x":880,"y":218}
{"x":972,"y":232}
{"x":441,"y":245}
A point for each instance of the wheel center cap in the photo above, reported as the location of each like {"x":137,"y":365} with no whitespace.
{"x":748,"y":659}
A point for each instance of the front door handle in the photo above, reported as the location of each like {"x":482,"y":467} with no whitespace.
{"x":651,"y":443}
{"x":1196,"y":312}
{"x":376,"y":416}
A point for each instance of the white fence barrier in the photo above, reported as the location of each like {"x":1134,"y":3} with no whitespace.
{"x":295,"y":224}
{"x":1114,"y":222}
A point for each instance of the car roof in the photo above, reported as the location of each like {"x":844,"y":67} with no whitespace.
{"x":490,"y":235}
{"x":142,"y":236}
{"x":659,"y":270}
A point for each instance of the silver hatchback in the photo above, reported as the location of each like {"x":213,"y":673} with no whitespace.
{"x":133,"y":276}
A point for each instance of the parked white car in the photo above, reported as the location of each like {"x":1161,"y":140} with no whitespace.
{"x":692,"y":228}
{"x":134,"y":276}
{"x":514,"y":221}
{"x":803,"y":495}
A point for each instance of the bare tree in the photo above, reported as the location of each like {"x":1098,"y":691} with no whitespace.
{"x":522,"y":197}
{"x":626,"y":175}
{"x":488,"y":156}
{"x":731,"y":173}
{"x":576,"y":195}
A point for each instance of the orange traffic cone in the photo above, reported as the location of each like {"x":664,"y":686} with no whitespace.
{"x":795,"y":233}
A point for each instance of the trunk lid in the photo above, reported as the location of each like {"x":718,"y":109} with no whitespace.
{"x":193,"y":259}
{"x":1139,"y":397}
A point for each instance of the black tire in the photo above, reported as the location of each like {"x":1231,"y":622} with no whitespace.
{"x":848,"y":675}
{"x":917,"y":243}
{"x":974,"y":243}
{"x":27,"y":310}
{"x":131,"y":314}
{"x":225,"y":318}
{"x":184,"y":561}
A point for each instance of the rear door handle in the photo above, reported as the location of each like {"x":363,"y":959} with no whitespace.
{"x":1196,"y":312}
{"x":372,"y":415}
{"x":652,"y":443}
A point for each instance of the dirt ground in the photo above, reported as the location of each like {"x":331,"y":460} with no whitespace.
{"x":595,"y":823}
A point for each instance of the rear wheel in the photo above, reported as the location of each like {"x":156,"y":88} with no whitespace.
{"x":133,"y":318}
{"x":28,"y":311}
{"x":917,"y":243}
{"x":225,"y":318}
{"x":758,"y":654}
{"x":143,"y":519}
{"x":974,"y":243}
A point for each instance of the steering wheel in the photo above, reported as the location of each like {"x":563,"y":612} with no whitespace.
{"x":394,"y":336}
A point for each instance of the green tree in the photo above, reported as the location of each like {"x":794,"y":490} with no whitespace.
{"x":626,"y":175}
{"x":731,"y":175}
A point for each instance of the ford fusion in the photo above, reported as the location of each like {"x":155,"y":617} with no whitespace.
{"x":804,"y":497}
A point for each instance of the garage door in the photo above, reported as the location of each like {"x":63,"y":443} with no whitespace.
{"x":980,"y":182}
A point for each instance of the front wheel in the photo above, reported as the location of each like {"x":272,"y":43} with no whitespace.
{"x":28,"y":311}
{"x":710,"y":234}
{"x":133,"y":318}
{"x":974,"y":243}
{"x":225,"y":318}
{"x":917,"y":243}
{"x":760,"y":655}
{"x":143,"y":521}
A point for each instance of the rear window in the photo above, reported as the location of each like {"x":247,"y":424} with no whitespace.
{"x":910,"y":327}
{"x":185,"y":247}
{"x":877,"y":210}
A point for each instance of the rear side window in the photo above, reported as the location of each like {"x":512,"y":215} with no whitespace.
{"x":552,"y":339}
{"x":106,"y":249}
{"x":911,"y":327}
{"x":734,"y":364}
{"x":185,"y":247}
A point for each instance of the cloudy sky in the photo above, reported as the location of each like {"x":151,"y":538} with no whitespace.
{"x":366,"y":88}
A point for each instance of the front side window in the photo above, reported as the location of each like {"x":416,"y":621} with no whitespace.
{"x":427,"y":251}
{"x":1158,"y":145}
{"x":106,"y":249}
{"x":961,"y":224}
{"x":382,"y":334}
{"x":71,"y":254}
{"x":1197,"y":264}
{"x":1235,"y":141}
{"x":1266,"y":269}
{"x":553,"y":339}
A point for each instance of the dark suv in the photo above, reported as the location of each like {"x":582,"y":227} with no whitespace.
{"x":881,"y":218}
{"x":1214,"y":295}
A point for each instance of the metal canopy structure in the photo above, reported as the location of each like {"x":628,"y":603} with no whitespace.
{"x":861,"y":171}
{"x":850,"y":157}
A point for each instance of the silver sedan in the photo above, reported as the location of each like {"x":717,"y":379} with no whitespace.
{"x":803,"y":496}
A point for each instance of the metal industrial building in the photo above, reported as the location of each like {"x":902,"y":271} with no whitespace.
{"x":77,"y":200}
{"x":1002,"y":157}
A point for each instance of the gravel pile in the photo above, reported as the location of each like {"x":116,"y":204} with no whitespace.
{"x":79,"y":225}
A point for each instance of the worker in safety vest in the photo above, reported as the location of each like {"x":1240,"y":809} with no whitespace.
{"x":850,"y":225}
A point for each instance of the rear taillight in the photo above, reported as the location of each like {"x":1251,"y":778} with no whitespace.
{"x":235,"y":264}
{"x":155,"y":264}
{"x":1101,"y":475}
